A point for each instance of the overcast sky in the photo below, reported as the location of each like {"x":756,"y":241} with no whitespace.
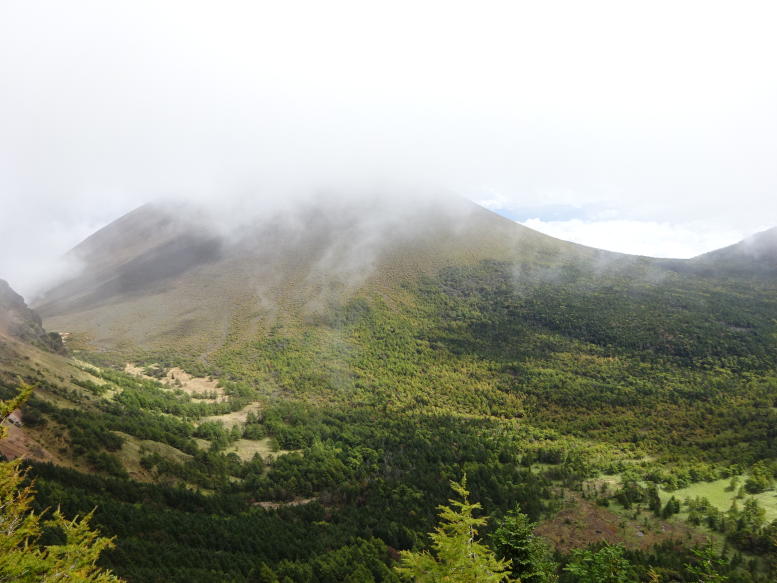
{"x":645,"y":127}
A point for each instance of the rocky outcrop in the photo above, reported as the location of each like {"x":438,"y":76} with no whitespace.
{"x":18,"y":321}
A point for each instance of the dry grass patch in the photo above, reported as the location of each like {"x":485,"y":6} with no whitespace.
{"x":236,"y":417}
{"x":194,"y":386}
{"x":267,"y":505}
{"x":28,"y":443}
{"x":266,"y":448}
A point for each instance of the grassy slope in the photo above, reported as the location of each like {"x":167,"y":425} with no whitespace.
{"x":719,"y":495}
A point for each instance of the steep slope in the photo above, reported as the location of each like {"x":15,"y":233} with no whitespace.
{"x":165,"y":274}
{"x":63,"y":422}
{"x":29,"y":353}
{"x":19,"y":322}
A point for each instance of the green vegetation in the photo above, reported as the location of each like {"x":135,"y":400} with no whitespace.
{"x":24,"y":557}
{"x":530,"y":555}
{"x":533,"y":378}
{"x":605,"y":565}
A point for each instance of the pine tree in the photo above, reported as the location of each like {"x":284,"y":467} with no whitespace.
{"x":458,"y":555}
{"x":707,"y":566}
{"x":360,"y":574}
{"x":22,"y":560}
{"x":672,"y":507}
{"x":606,"y":565}
{"x":264,"y":575}
{"x":654,"y":500}
{"x":530,"y":555}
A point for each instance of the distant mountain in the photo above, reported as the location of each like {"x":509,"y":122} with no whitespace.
{"x":194,"y":279}
{"x":756,"y":255}
{"x":165,"y":273}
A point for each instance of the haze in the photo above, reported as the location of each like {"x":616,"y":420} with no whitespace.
{"x":644,"y":128}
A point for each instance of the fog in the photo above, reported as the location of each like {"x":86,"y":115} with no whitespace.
{"x":660,"y":116}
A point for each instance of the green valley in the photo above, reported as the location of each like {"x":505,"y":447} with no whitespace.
{"x":246,"y":411}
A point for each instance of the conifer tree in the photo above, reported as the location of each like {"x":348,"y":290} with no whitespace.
{"x":530,"y":555}
{"x":458,"y":556}
{"x":706,"y":568}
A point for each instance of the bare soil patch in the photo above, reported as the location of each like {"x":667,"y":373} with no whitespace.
{"x":581,"y":522}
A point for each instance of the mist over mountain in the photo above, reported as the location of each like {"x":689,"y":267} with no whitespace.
{"x":180,"y":271}
{"x":183,"y":272}
{"x":755,"y":255}
{"x":357,"y":292}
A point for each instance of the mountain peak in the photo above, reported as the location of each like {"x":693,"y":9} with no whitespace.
{"x":188,"y":270}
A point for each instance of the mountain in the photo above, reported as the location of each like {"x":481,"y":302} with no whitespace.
{"x":286,"y":394}
{"x":170,"y":273}
{"x":199,"y":282}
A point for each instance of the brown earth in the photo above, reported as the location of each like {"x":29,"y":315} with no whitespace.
{"x":581,"y":522}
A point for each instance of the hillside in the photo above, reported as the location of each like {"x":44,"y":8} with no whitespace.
{"x":165,"y":274}
{"x":29,"y":353}
{"x":294,"y":392}
{"x":756,"y":255}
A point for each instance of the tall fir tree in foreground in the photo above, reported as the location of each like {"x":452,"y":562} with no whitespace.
{"x":457,"y":555}
{"x":22,"y":559}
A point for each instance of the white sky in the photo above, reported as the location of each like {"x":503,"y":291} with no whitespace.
{"x":645,"y":127}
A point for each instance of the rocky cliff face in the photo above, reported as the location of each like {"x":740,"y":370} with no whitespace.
{"x":20,"y":322}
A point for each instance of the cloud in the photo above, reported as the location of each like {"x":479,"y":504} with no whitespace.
{"x":660,"y":112}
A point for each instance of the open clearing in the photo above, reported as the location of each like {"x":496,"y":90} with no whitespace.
{"x":236,"y":417}
{"x":246,"y":448}
{"x":721,"y":499}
